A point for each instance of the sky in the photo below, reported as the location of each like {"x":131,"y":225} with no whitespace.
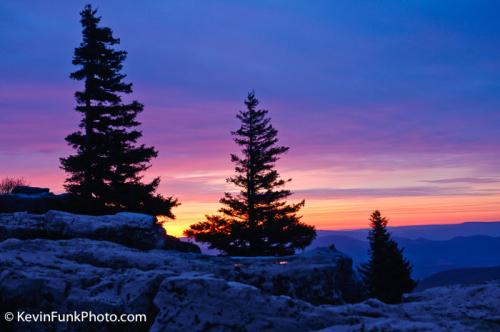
{"x":390,"y":105}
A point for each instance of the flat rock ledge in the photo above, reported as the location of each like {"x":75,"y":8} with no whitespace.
{"x":130,"y":229}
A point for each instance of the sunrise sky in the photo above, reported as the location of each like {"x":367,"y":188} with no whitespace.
{"x":391,"y":105}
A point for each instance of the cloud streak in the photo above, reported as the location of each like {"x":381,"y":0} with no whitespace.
{"x":464,"y":180}
{"x":327,"y":193}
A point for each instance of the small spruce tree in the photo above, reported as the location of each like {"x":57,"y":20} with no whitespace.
{"x":257,"y":221}
{"x":387,"y":274}
{"x":105,"y":172}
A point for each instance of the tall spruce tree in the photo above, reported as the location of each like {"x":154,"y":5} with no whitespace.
{"x":387,"y":274}
{"x":257,"y":221}
{"x":106,"y":170}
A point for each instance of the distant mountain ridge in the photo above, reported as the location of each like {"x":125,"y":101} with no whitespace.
{"x":427,"y":256}
{"x":431,"y":232}
{"x":466,"y":276}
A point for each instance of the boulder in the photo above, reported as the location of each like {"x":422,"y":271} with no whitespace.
{"x":27,"y":190}
{"x":320,"y":276}
{"x":34,"y":200}
{"x":45,"y":275}
{"x":130,"y":229}
{"x":193,"y":302}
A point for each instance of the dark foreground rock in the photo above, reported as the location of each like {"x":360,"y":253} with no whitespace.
{"x":27,"y":190}
{"x":34,"y":200}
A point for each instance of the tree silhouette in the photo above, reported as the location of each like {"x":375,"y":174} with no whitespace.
{"x":106,"y":169}
{"x":387,"y":274}
{"x":258,"y":220}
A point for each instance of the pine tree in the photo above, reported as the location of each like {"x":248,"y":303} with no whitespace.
{"x":387,"y":274}
{"x":258,"y":220}
{"x":106,"y":170}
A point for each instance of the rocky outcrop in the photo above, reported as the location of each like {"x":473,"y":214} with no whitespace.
{"x":65,"y":263}
{"x":455,"y":308}
{"x":176,"y":290}
{"x":130,"y":229}
{"x":192,"y":292}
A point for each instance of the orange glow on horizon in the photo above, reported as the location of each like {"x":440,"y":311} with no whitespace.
{"x":336,"y":214}
{"x":349,"y":207}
